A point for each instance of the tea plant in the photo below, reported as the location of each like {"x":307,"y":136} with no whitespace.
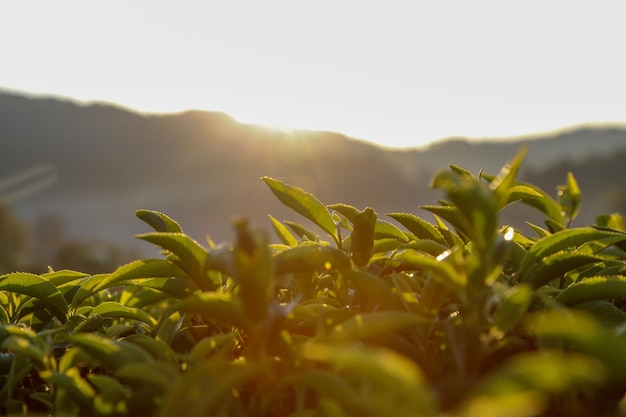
{"x":351,"y":316}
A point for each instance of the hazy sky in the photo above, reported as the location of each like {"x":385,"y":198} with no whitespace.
{"x":400,"y":73}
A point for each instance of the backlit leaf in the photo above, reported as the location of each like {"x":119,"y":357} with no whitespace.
{"x":190,"y":254}
{"x":303,"y":203}
{"x":594,"y":288}
{"x":115,"y":309}
{"x":363,"y":236}
{"x":563,"y":240}
{"x":159,"y":221}
{"x":372,"y":325}
{"x":283,"y":233}
{"x":418,"y":226}
{"x":309,"y":258}
{"x":553,"y":266}
{"x":37,"y":287}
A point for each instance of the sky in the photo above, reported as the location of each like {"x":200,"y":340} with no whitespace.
{"x":397,"y":73}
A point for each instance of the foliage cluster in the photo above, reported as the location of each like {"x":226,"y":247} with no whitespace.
{"x":369,"y":317}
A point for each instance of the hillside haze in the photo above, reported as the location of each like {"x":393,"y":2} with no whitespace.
{"x":204,"y":168}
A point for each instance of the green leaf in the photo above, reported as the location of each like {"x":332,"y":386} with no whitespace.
{"x":60,"y":278}
{"x":577,"y":329}
{"x":283,"y":233}
{"x":363,"y":236}
{"x":569,"y":197}
{"x":519,"y":193}
{"x":512,"y":308}
{"x":190,"y":255}
{"x":310,"y":258}
{"x":477,"y":207}
{"x":169,"y":326}
{"x":374,"y":287}
{"x":425,"y":245}
{"x":563,"y":240}
{"x":86,"y":288}
{"x":115,"y":309}
{"x":301,"y":231}
{"x":443,"y":270}
{"x":159,"y":374}
{"x":25,"y":347}
{"x":545,"y":204}
{"x":253,"y":271}
{"x":613,"y":221}
{"x":545,"y":372}
{"x":452,"y":215}
{"x":505,"y":180}
{"x":418,"y":226}
{"x":111,"y":354}
{"x":373,"y":325}
{"x":146,"y":268}
{"x":215,"y":306}
{"x":37,"y":287}
{"x":399,"y":384}
{"x":159,"y":221}
{"x":604,"y":312}
{"x":305,"y":204}
{"x":349,"y":212}
{"x":384,"y":229}
{"x":174,"y":287}
{"x":554,"y":266}
{"x":210,"y":390}
{"x":77,"y":389}
{"x":594,"y":288}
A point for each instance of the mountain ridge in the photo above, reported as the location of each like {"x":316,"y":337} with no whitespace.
{"x":202,"y":168}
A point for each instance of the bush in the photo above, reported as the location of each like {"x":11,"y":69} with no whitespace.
{"x":358,"y":316}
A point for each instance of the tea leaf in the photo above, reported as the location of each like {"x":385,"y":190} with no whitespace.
{"x":169,"y":327}
{"x":115,"y":309}
{"x":363,"y":236}
{"x":384,"y":229}
{"x":349,"y":212}
{"x":374,"y":288}
{"x":569,"y":197}
{"x":502,"y":184}
{"x":76,"y":388}
{"x":594,"y":288}
{"x":581,"y":331}
{"x":110,"y":353}
{"x":554,"y":266}
{"x":24,"y":346}
{"x":563,"y":240}
{"x":59,"y":278}
{"x":283,"y":233}
{"x":519,"y":193}
{"x":309,"y":258}
{"x":372,"y":325}
{"x":174,"y":287}
{"x":253,"y":272}
{"x":303,"y":203}
{"x":418,"y":226}
{"x":37,"y":287}
{"x":159,"y":221}
{"x":215,"y":306}
{"x":190,"y":256}
{"x":160,"y":374}
{"x":302,"y":231}
{"x":412,"y":260}
{"x":512,"y":308}
{"x":147,"y":268}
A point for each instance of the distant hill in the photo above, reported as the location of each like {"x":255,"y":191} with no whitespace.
{"x":203,"y":168}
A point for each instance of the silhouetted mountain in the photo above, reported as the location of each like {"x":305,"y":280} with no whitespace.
{"x":204,"y":168}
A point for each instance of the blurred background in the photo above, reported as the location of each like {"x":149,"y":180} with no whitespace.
{"x":112,"y":107}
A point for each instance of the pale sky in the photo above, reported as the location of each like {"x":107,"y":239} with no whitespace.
{"x":399,"y":73}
